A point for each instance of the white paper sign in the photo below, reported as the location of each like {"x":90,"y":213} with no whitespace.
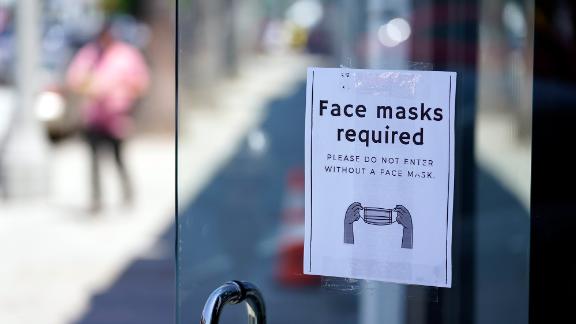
{"x":379,"y":175}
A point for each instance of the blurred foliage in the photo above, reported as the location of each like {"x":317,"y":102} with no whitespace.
{"x":131,"y":7}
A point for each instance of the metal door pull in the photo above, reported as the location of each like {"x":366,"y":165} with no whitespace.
{"x":234,"y":292}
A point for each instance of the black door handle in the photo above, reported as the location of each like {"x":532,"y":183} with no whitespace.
{"x":234,"y":292}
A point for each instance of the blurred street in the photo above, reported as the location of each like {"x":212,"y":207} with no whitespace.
{"x":252,"y":225}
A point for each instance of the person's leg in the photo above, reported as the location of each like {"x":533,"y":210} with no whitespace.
{"x":94,"y":142}
{"x":117,"y":145}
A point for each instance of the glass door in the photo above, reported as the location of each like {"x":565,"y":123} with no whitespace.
{"x":240,"y":152}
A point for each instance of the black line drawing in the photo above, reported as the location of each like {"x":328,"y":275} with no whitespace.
{"x":379,"y":217}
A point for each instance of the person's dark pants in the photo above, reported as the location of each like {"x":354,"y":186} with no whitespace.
{"x":101,"y":144}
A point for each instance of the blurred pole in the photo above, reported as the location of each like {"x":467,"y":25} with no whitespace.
{"x":26,"y":153}
{"x":27,"y":39}
{"x":379,"y":13}
{"x":384,"y":302}
{"x":230,"y":41}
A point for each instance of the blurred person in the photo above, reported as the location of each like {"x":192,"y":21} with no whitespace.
{"x":111,"y":76}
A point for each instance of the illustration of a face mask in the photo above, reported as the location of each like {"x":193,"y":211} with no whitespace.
{"x":379,"y":217}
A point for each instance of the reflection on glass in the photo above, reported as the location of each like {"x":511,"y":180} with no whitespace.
{"x":241,"y":188}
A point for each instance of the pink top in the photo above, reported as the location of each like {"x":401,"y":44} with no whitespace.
{"x":111,"y":83}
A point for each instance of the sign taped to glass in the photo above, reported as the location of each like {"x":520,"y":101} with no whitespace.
{"x":379,"y":175}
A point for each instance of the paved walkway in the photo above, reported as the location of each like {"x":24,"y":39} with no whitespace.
{"x":55,"y":254}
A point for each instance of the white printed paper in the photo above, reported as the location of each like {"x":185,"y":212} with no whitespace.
{"x":379,"y":175}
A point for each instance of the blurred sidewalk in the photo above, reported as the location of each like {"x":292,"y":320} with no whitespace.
{"x":56,"y":257}
{"x":55,"y":254}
